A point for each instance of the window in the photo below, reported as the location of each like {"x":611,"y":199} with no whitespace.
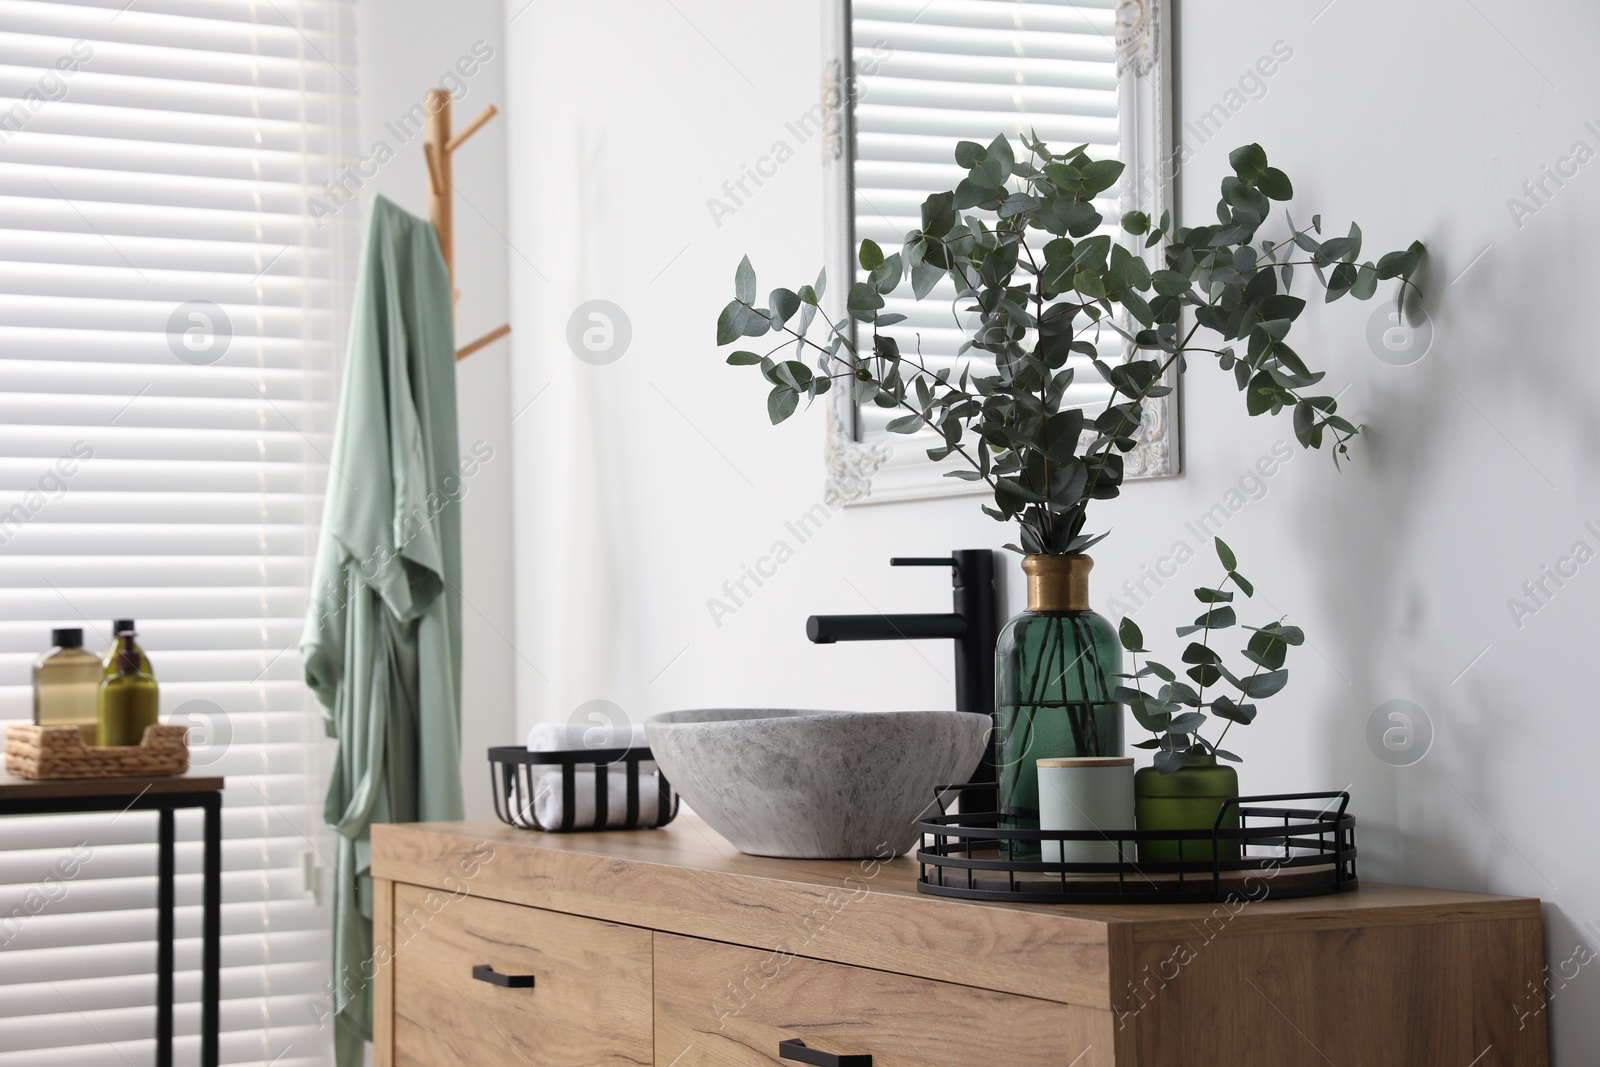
{"x":170,"y":328}
{"x":926,"y":74}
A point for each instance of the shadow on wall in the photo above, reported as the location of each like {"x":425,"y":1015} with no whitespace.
{"x":1468,"y":813}
{"x":1364,"y":577}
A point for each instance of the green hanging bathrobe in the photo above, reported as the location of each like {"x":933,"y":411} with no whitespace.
{"x":382,"y":644}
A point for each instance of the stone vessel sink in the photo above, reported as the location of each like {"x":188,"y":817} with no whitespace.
{"x":816,"y":784}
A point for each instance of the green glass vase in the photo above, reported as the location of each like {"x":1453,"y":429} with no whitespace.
{"x":1186,"y":799}
{"x":1055,"y":667}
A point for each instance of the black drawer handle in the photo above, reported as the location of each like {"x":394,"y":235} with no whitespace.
{"x":795,"y":1049}
{"x":485,"y":973}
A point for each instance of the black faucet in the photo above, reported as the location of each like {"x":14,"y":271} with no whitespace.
{"x":972,"y":625}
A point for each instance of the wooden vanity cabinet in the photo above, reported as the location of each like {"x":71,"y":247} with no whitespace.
{"x":497,"y":946}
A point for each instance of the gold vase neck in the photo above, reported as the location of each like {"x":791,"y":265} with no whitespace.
{"x":1057,"y":583}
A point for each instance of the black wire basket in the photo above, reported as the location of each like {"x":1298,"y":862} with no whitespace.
{"x":1283,"y":851}
{"x":515,"y":772}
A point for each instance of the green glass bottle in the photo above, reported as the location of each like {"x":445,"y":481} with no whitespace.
{"x":1055,"y":668}
{"x":129,"y":700}
{"x":108,"y":658}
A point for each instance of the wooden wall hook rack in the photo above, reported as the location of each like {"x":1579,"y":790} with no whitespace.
{"x":439,"y":146}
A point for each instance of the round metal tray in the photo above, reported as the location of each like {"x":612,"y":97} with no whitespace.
{"x":1285,"y":850}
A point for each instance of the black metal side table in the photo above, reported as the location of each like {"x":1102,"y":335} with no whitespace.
{"x":59,"y":796}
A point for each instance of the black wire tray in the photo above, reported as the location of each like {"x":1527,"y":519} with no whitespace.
{"x":514,"y":771}
{"x":1284,"y":851}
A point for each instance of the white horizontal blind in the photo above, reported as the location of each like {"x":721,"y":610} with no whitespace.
{"x":170,"y":330}
{"x":931,"y":74}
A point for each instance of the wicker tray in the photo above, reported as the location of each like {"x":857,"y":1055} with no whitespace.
{"x":59,"y":752}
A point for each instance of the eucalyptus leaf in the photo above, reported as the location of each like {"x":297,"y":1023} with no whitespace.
{"x":863,"y":300}
{"x":730,"y":324}
{"x":1217,"y":618}
{"x":1248,"y":162}
{"x":1171,"y":282}
{"x":744,"y":282}
{"x":1224,"y":707}
{"x":1185,"y":694}
{"x":1167,"y":761}
{"x":784,"y":304}
{"x":1260,"y":686}
{"x":1125,"y":695}
{"x":1366,"y":283}
{"x":924,"y":276}
{"x":938,"y":214}
{"x":1275,"y":183}
{"x":1130,"y":635}
{"x":781,"y":403}
{"x":1101,"y":175}
{"x":1225,"y":554}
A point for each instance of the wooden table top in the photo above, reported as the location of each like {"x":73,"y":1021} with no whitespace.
{"x":12,"y":788}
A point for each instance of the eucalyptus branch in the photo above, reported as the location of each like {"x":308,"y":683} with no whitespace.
{"x":1267,"y":648}
{"x":1035,"y":300}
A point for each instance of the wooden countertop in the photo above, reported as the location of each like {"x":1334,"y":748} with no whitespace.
{"x":689,"y":844}
{"x":687,"y":879}
{"x":13,"y":788}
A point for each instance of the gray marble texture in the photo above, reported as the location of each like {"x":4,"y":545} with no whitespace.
{"x":816,"y":784}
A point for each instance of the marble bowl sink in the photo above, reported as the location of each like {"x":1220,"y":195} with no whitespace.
{"x":816,"y":784}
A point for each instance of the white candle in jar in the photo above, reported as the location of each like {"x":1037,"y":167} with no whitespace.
{"x":1092,"y":793}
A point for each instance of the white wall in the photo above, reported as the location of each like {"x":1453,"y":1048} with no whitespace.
{"x":649,"y":482}
{"x":406,"y":49}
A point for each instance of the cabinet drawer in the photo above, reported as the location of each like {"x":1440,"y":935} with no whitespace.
{"x":720,"y":1005}
{"x":588,"y":1004}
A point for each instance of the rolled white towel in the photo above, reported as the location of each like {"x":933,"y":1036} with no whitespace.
{"x":577,"y":737}
{"x":545,"y":810}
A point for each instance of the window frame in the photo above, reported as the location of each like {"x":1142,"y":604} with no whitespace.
{"x":875,"y":471}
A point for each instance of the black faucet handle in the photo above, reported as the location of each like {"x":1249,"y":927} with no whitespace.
{"x":968,"y":566}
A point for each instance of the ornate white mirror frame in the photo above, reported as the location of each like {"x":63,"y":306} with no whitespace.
{"x":871,"y":471}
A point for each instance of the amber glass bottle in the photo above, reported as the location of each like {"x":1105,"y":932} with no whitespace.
{"x":66,"y":684}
